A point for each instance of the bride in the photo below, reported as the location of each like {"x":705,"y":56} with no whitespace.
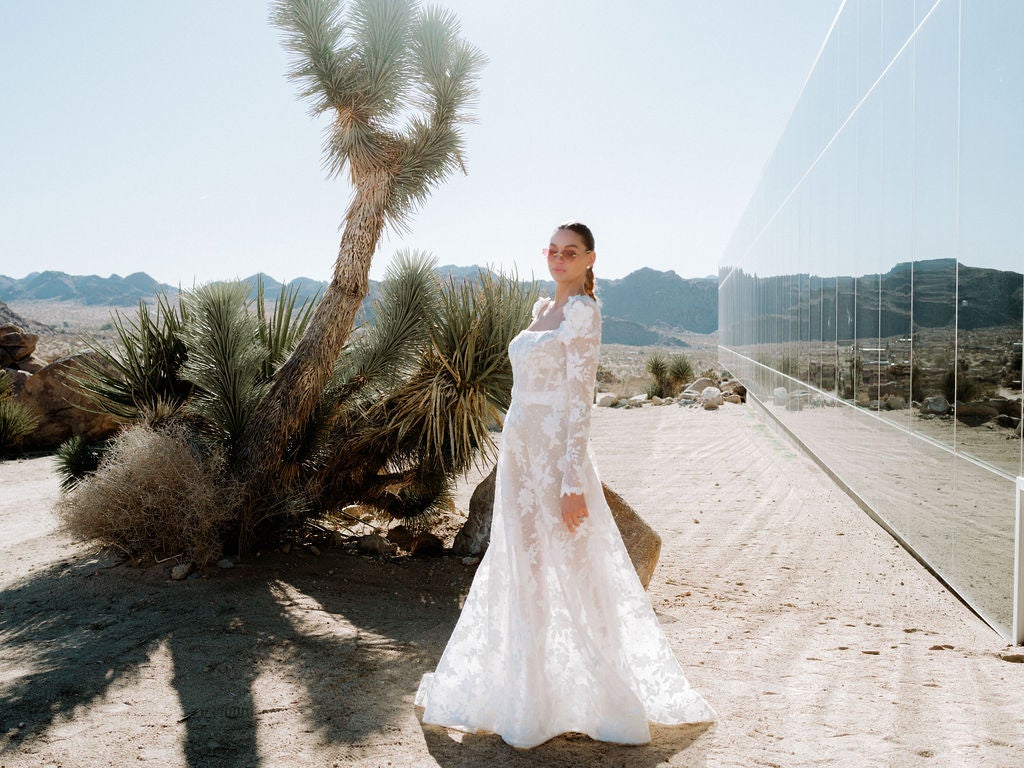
{"x":557,"y":633}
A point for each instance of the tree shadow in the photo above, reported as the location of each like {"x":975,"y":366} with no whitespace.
{"x":337,"y":642}
{"x":73,"y":630}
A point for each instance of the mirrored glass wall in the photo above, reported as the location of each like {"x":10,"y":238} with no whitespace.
{"x":871,"y":296}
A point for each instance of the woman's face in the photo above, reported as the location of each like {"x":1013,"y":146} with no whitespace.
{"x":568,"y":257}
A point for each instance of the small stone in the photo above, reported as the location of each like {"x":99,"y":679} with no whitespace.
{"x":314,"y":549}
{"x":372,"y":544}
{"x":401,"y":537}
{"x":225,"y":562}
{"x":426,"y":544}
{"x":471,"y":560}
{"x":606,"y":399}
{"x":180,"y":571}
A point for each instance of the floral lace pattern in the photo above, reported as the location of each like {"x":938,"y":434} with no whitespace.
{"x":557,"y":633}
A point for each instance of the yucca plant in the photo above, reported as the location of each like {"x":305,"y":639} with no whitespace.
{"x":657,"y":368}
{"x":402,"y":451}
{"x":227,"y":361}
{"x":142,"y":370}
{"x":679,"y":371}
{"x":16,"y":419}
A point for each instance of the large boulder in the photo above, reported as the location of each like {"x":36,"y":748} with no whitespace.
{"x":936,"y":405}
{"x":642,"y":542}
{"x":975,"y":414}
{"x":15,"y":344}
{"x":1005,"y":406}
{"x":64,"y":412}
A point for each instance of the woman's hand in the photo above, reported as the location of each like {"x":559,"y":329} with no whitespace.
{"x":574,"y":510}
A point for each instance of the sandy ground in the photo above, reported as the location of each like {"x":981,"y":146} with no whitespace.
{"x":817,"y":639}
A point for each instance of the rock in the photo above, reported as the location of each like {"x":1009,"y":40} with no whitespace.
{"x":780,"y":396}
{"x":894,"y":403}
{"x":734,"y":387}
{"x":401,"y":537}
{"x":795,"y":400}
{"x":180,"y":571}
{"x":711,"y":398}
{"x":1010,"y":422}
{"x":606,"y":399}
{"x":17,"y":344}
{"x":225,"y":563}
{"x":31,"y":364}
{"x":471,"y":560}
{"x":641,"y":398}
{"x":936,"y":405}
{"x":642,"y":542}
{"x":426,"y":544}
{"x":700,"y":385}
{"x":18,"y":379}
{"x":975,"y":414}
{"x":475,"y":533}
{"x":313,"y":549}
{"x":373,"y":544}
{"x":63,"y":411}
{"x":733,"y":398}
{"x":656,"y":400}
{"x":1005,"y":406}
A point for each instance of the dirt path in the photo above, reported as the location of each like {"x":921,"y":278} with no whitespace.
{"x":818,"y":640}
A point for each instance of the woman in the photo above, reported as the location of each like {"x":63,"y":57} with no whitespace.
{"x":557,"y":633}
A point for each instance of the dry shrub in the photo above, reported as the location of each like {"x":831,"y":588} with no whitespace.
{"x":155,"y":493}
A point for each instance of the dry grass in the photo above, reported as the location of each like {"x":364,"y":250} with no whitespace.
{"x":153,"y":495}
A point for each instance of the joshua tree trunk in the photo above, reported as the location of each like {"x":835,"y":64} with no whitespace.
{"x":296,"y":389}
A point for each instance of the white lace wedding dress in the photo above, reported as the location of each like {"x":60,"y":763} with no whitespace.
{"x":557,"y":633}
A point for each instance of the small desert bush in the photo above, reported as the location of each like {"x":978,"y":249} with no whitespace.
{"x":155,"y":493}
{"x":76,"y":460}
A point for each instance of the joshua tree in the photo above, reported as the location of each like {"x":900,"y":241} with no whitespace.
{"x":397,"y":80}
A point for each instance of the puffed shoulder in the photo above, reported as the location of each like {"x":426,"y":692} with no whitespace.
{"x":581,"y":315}
{"x":538,"y":305}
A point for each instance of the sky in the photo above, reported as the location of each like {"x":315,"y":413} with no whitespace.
{"x":165,"y":138}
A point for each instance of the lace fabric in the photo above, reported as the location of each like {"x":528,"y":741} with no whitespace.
{"x":557,"y":633}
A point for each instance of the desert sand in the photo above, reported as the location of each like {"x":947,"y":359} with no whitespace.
{"x":819,"y":641}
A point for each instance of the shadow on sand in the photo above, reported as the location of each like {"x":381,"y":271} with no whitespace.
{"x":347,"y":639}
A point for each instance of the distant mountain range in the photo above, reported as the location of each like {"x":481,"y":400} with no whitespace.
{"x":114,"y":291}
{"x":641,"y":309}
{"x":650,"y":307}
{"x":916,"y":294}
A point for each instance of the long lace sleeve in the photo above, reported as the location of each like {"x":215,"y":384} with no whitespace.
{"x":582,"y":336}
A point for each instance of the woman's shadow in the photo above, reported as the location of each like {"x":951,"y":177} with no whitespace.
{"x":452,"y":749}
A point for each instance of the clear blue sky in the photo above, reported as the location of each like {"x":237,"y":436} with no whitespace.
{"x":164,"y":137}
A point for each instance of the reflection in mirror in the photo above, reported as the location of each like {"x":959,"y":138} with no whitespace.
{"x":989,"y":317}
{"x":934,"y":234}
